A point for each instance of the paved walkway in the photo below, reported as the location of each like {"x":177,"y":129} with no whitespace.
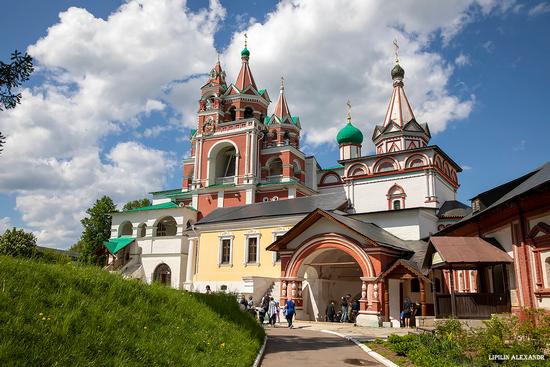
{"x":305,"y":346}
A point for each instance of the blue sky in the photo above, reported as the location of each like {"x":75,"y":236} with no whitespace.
{"x":489,"y":66}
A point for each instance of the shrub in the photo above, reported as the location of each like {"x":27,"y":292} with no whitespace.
{"x":16,"y":242}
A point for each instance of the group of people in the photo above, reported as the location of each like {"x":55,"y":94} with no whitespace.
{"x":347,"y":312}
{"x":269,"y":308}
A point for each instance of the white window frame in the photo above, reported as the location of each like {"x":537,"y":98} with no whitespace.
{"x":274,"y":255}
{"x":247,"y":236}
{"x":222,"y":237}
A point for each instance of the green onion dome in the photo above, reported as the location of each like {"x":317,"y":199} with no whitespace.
{"x":397,"y":72}
{"x":349,"y":134}
{"x":245,"y":52}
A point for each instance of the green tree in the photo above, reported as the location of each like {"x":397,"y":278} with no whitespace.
{"x":97,"y":228}
{"x":77,"y":247}
{"x":12,"y":75}
{"x":135,"y":204}
{"x":16,"y":242}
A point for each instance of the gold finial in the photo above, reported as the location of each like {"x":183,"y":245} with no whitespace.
{"x":349,"y":111}
{"x":245,"y":39}
{"x":282,"y":84}
{"x":396,"y":50}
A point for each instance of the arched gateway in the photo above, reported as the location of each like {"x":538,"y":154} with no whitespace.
{"x":325,"y":256}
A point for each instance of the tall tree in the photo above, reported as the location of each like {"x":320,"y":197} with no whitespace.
{"x":135,"y":204}
{"x":16,"y":242}
{"x":12,"y":75}
{"x":97,"y":227}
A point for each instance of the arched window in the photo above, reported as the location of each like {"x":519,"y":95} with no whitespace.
{"x":330,"y":178}
{"x":225,"y":162}
{"x":357,"y":170}
{"x":296,"y":169}
{"x":415,"y":285}
{"x":142,"y":230}
{"x":248,"y":112}
{"x":396,"y":198}
{"x":386,"y":166}
{"x":233,"y":113}
{"x":417,"y":162}
{"x":162,"y":274}
{"x":275,"y":167}
{"x":125,"y":229}
{"x":167,"y":226}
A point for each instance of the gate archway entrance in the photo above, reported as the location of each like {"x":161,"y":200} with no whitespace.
{"x":328,"y":274}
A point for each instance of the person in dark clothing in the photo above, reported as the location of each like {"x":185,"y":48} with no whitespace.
{"x":344,"y":306}
{"x":406,"y":313}
{"x":331,"y":312}
{"x":354,"y":310}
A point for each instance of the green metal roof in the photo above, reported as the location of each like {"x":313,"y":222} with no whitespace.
{"x":245,"y":52}
{"x":168,"y":205}
{"x":261,"y":91}
{"x":349,"y":134}
{"x":165,"y":191}
{"x":114,"y":245}
{"x":332,"y":168}
{"x":192,"y":133}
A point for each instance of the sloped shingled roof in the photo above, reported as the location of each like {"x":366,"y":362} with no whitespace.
{"x":453,"y":209}
{"x":468,"y":250}
{"x":296,"y":206}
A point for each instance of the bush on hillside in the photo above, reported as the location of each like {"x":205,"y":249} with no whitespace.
{"x":452,"y":344}
{"x":77,"y":315}
{"x":16,"y":242}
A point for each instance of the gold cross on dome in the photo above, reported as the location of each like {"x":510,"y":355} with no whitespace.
{"x":245,"y":39}
{"x":349,"y":110}
{"x":396,"y":50}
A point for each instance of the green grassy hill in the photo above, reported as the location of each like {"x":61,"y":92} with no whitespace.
{"x":69,"y":315}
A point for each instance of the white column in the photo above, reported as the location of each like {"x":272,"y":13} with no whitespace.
{"x":291,"y":192}
{"x":247,"y":157}
{"x":190,"y":270}
{"x":252,"y":160}
{"x":220,"y":199}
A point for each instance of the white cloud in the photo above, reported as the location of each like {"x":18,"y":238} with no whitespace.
{"x":103,"y":75}
{"x":100,"y":77}
{"x":462,"y":60}
{"x":539,"y":9}
{"x":332,"y":53}
{"x":5,"y":224}
{"x":465,"y":167}
{"x":521,"y":145}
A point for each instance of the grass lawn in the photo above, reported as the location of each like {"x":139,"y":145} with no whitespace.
{"x":70,"y":315}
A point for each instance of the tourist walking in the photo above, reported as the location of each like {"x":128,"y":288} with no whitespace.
{"x":264,"y":305}
{"x":272,"y":311}
{"x":243,"y":303}
{"x":344,"y":306}
{"x":208,"y":291}
{"x":290,"y":308}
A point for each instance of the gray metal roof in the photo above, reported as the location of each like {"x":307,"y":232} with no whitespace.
{"x":522,"y":185}
{"x":296,"y":206}
{"x":373,"y":232}
{"x":453,"y":209}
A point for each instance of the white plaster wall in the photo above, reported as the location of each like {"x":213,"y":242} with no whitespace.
{"x":177,"y":264}
{"x":535,"y":220}
{"x":371,"y":194}
{"x":311,"y":172}
{"x":443,"y":190}
{"x":504,"y":236}
{"x":405,"y":224}
{"x":395,"y":306}
{"x":160,"y":200}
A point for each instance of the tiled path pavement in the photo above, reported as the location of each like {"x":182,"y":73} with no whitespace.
{"x":306,"y":345}
{"x":301,"y":347}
